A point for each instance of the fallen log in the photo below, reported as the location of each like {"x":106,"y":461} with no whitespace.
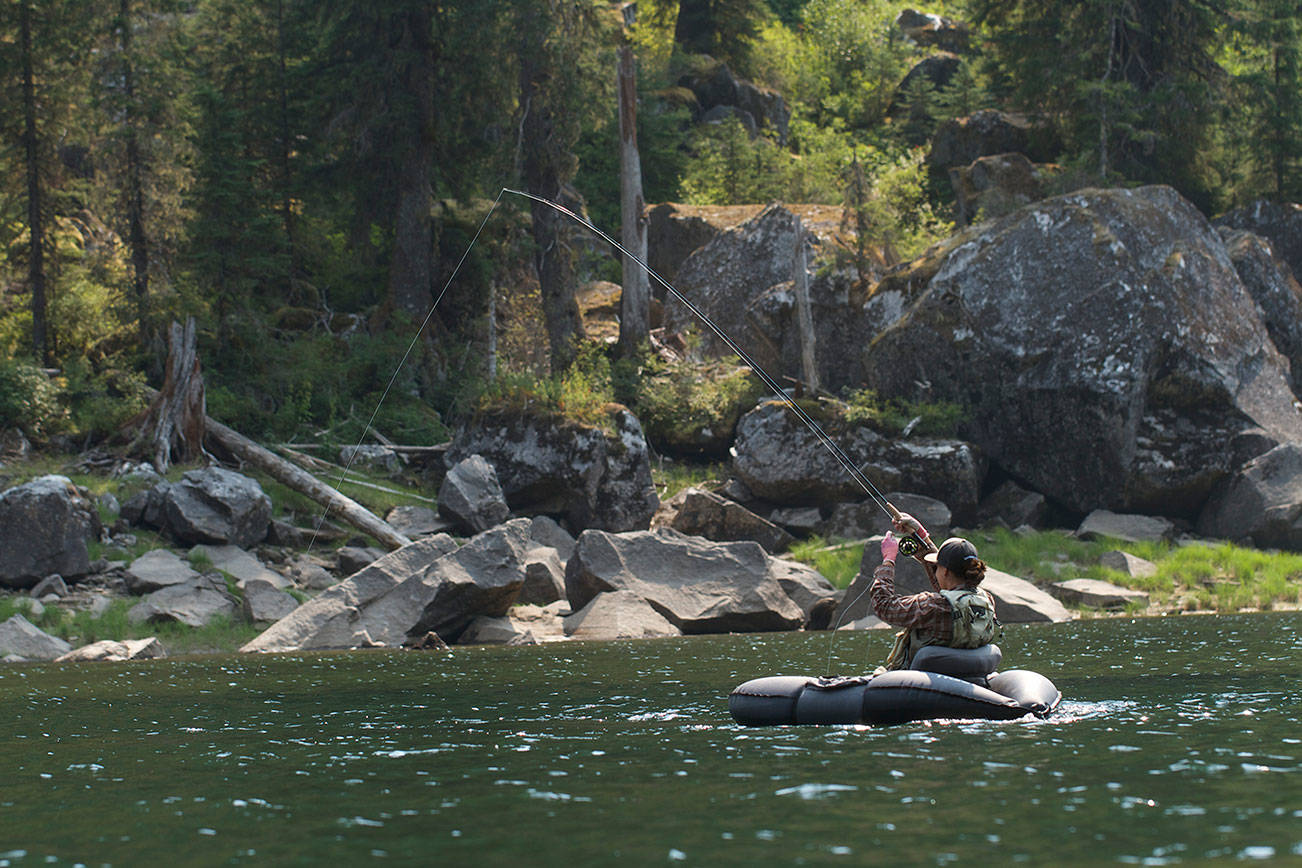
{"x":305,"y":483}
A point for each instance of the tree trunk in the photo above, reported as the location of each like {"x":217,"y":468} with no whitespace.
{"x":804,"y":315}
{"x":136,"y":238}
{"x":35,"y":218}
{"x":286,"y":136}
{"x":635,"y":295}
{"x":411,"y":271}
{"x":543,"y":157}
{"x":306,"y":484}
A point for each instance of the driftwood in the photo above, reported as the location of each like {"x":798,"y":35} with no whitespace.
{"x":172,"y":428}
{"x":305,"y":483}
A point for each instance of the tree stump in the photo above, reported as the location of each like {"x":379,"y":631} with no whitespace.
{"x":172,"y":428}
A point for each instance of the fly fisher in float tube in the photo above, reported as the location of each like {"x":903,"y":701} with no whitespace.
{"x":943,"y":664}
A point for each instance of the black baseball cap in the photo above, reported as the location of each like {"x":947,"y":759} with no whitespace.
{"x":954,"y":554}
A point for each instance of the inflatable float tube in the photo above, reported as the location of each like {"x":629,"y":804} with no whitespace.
{"x":943,"y":683}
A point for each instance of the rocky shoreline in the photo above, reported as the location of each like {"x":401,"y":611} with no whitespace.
{"x":520,"y":580}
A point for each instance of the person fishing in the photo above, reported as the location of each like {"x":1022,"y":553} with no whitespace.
{"x":955,"y":613}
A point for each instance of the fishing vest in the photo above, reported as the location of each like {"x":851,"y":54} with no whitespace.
{"x":975,"y":625}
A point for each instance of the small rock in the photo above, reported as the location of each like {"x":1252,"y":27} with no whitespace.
{"x":1127,"y":563}
{"x":1131,"y":528}
{"x":20,"y":638}
{"x":307,"y":572}
{"x":243,"y":566}
{"x":416,"y":521}
{"x":471,"y":495}
{"x":51,"y":584}
{"x":157,"y":569}
{"x":194,"y":603}
{"x":108,"y":650}
{"x":354,"y":558}
{"x":1097,"y":594}
{"x":618,"y":615}
{"x":265,"y":602}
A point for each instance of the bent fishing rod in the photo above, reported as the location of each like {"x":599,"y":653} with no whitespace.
{"x":831,"y":445}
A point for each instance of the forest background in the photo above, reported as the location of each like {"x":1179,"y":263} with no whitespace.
{"x":303,"y":178}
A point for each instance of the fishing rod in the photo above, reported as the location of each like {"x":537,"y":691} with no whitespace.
{"x":831,"y":445}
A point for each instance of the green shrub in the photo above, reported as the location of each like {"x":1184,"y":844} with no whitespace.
{"x":893,"y":416}
{"x":29,"y":400}
{"x":680,"y":403}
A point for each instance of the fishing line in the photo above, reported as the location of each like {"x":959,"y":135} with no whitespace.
{"x":828,"y":443}
{"x":403,"y":361}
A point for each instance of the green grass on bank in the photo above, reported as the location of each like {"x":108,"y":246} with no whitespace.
{"x":221,"y":635}
{"x":671,"y":477}
{"x":1219,"y":577}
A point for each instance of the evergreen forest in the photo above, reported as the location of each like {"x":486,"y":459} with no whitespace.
{"x":304,"y":179}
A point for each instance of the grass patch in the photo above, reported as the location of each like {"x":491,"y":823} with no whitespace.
{"x":1218,"y":577}
{"x":838,"y":562}
{"x":671,"y":477}
{"x":221,"y":635}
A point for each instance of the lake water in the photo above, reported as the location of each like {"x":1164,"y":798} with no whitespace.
{"x":1179,"y":740}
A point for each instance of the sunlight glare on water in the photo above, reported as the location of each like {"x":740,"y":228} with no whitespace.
{"x":1178,"y":741}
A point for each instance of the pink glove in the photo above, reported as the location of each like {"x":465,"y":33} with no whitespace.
{"x":890,"y":547}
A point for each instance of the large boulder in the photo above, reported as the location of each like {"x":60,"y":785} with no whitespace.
{"x":782,"y":460}
{"x":757,"y":107}
{"x":1097,"y":594}
{"x":697,"y":512}
{"x":108,"y":650}
{"x":209,"y":505}
{"x":482,"y":577}
{"x":618,"y":615}
{"x":588,"y":475}
{"x":1018,"y":601}
{"x":1103,"y":347}
{"x":44,"y":527}
{"x":1271,"y":282}
{"x":1263,"y":502}
{"x":992,"y":186}
{"x":985,"y":133}
{"x":329,"y":620}
{"x":471,"y":496}
{"x":21,"y":639}
{"x":743,"y":281}
{"x":807,"y":588}
{"x":195,"y":603}
{"x":1105,"y":524}
{"x":866,"y":518}
{"x":698,"y":585}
